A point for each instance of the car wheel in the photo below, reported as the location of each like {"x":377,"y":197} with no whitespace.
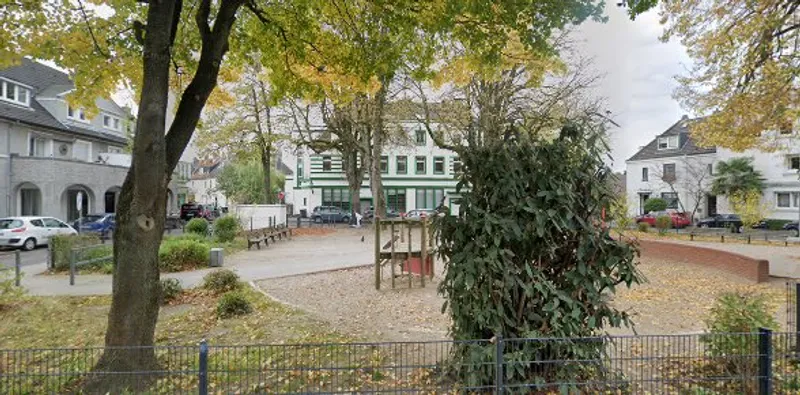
{"x":705,"y":226}
{"x":740,"y":229}
{"x":346,"y":220}
{"x":29,"y":244}
{"x":317,"y":219}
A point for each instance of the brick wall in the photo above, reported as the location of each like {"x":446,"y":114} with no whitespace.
{"x":756,"y":270}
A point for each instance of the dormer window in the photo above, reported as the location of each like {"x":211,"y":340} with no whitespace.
{"x":76,"y":115}
{"x":15,"y":93}
{"x":668,"y":142}
{"x":111,"y":122}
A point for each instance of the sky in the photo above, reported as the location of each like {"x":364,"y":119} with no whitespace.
{"x":639,"y":71}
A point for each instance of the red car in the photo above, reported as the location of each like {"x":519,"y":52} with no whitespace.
{"x":679,"y":220}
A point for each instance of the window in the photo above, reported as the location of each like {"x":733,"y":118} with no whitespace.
{"x":116,"y":123}
{"x":300,"y":170}
{"x":114,"y":150}
{"x":419,"y":165}
{"x":783,"y":199}
{"x":76,"y":114}
{"x":36,"y":146}
{"x":107,"y":121}
{"x":645,"y":175}
{"x":668,"y":142}
{"x":429,"y":198}
{"x":711,"y":168}
{"x":671,"y":198}
{"x":438,"y":165}
{"x":336,"y":197}
{"x":326,"y":163}
{"x":37,"y":223}
{"x":669,"y":172}
{"x":384,"y":165}
{"x":456,"y":162}
{"x":110,"y":122}
{"x":794,"y":162}
{"x":420,"y":137}
{"x":14,"y":93}
{"x":402,"y":164}
{"x":396,"y":199}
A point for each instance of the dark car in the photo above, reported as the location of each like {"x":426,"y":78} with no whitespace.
{"x":330,"y":214}
{"x":95,"y":223}
{"x":390,"y":213}
{"x":791,"y":226}
{"x":722,"y":221}
{"x":194,"y":210}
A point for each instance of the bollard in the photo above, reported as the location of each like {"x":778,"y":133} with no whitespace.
{"x":764,"y":361}
{"x":748,"y":239}
{"x":17,"y":265}
{"x":216,"y":257}
{"x":498,"y":365}
{"x":691,"y":236}
{"x":298,"y":221}
{"x":722,"y":238}
{"x":72,"y":258}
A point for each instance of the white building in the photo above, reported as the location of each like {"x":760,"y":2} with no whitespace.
{"x":419,"y":175}
{"x":203,"y":185}
{"x":673,"y":156}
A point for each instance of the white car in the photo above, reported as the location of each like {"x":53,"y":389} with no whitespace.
{"x":29,"y":232}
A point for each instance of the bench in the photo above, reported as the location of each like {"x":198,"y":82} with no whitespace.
{"x":265,"y":235}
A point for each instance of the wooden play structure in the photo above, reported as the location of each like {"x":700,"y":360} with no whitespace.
{"x":401,"y":252}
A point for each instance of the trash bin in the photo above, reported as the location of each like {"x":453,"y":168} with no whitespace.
{"x":303,"y":213}
{"x":216,"y":257}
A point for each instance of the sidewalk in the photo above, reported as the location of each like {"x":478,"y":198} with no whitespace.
{"x":301,"y":255}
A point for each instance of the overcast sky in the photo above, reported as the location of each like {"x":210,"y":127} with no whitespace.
{"x":639,"y":73}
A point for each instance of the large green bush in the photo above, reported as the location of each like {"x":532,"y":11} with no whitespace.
{"x":226,"y":228}
{"x":643,"y":227}
{"x":178,"y":254}
{"x":102,"y":257}
{"x":61,"y":245}
{"x":198,"y":226}
{"x":527,"y":257}
{"x":222,"y":280}
{"x":731,"y":323}
{"x":233,"y":304}
{"x":655,"y":204}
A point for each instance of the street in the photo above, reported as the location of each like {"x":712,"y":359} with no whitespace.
{"x":39,"y":255}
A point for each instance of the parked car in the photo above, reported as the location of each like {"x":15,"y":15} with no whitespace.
{"x":95,"y":223}
{"x":29,"y":232}
{"x":194,"y":210}
{"x":722,"y":221}
{"x":679,"y":220}
{"x":420,"y":213}
{"x":390,"y":213}
{"x":791,"y":226}
{"x":330,"y":214}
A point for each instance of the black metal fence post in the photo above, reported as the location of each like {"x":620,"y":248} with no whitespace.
{"x":202,"y":374}
{"x":796,"y":328}
{"x":764,"y":361}
{"x":17,"y":265}
{"x":498,"y":373}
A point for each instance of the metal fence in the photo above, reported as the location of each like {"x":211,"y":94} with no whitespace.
{"x":747,"y":363}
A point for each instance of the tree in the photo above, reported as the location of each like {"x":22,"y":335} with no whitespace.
{"x":747,"y":204}
{"x":737,"y":175}
{"x":244,"y":127}
{"x":150,"y":45}
{"x":692,"y":176}
{"x":243,"y":182}
{"x":745,"y":67}
{"x":526,"y":256}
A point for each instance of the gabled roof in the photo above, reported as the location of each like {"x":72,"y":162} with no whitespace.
{"x":686,"y":145}
{"x":48,"y":82}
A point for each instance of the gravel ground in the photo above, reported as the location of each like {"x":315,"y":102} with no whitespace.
{"x":675,"y":300}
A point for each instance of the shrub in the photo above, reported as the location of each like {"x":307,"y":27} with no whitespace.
{"x":105,"y":265}
{"x":776,"y":224}
{"x":663,"y":222}
{"x":655,"y":204}
{"x":734,"y":316}
{"x":222,"y":280}
{"x":643,"y":227}
{"x":170,"y":289}
{"x":62,"y":245}
{"x":181,"y":254}
{"x":233,"y":304}
{"x":225,"y":228}
{"x":198,"y":226}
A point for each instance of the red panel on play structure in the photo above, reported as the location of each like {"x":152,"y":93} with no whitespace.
{"x":415,"y":265}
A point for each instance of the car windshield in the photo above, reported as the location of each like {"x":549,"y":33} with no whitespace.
{"x":10,"y":223}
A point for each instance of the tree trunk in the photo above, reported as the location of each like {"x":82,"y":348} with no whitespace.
{"x":140,"y":221}
{"x":375,"y":119}
{"x":263,"y":146}
{"x":354,"y":172}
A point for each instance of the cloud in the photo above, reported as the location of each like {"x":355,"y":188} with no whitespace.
{"x":639,"y":74}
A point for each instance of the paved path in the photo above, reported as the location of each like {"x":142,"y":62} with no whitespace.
{"x":783,"y":261}
{"x":304,"y":254}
